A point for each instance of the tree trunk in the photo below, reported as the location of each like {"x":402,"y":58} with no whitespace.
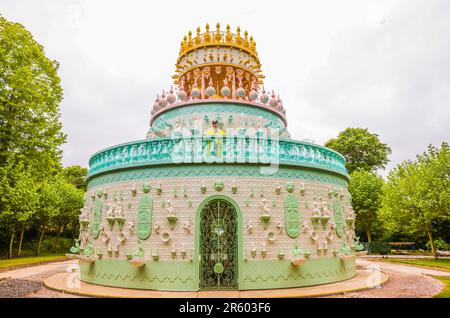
{"x":55,"y":243}
{"x":10,"y":253}
{"x":38,"y":245}
{"x":369,"y":235}
{"x":19,"y":252}
{"x":433,"y":248}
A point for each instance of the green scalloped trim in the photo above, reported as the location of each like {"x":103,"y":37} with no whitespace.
{"x":179,"y":171}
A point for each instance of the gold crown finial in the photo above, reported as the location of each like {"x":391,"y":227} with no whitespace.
{"x":238,"y":36}
{"x":252,"y":44}
{"x":198,"y":38}
{"x":207,"y":35}
{"x":228,"y":36}
{"x":218,"y":36}
{"x":182,"y":46}
{"x":190,"y":42}
{"x":221,"y":43}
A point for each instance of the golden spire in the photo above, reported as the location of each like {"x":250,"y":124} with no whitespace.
{"x":246,"y":44}
{"x":252,"y":44}
{"x":190,"y":42}
{"x":183,"y":45}
{"x":228,"y":36}
{"x":207,"y":35}
{"x":218,"y":36}
{"x":238,"y":36}
{"x":198,"y":38}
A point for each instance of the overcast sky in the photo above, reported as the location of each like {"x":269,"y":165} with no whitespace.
{"x":381,"y":65}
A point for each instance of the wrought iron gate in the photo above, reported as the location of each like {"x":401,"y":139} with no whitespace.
{"x":218,"y":246}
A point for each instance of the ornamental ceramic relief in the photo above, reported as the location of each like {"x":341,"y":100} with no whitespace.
{"x":97,"y":218}
{"x":291,"y":213}
{"x":144,"y":216}
{"x":339,"y":222}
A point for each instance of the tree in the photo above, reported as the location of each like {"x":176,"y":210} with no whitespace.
{"x":417,"y":195}
{"x":71,"y":201}
{"x":30,"y":94}
{"x":366,"y":189}
{"x":30,"y":130}
{"x":76,"y":175}
{"x":361,"y":149}
{"x":19,"y":201}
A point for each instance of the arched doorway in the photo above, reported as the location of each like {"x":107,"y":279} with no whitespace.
{"x":218,"y":240}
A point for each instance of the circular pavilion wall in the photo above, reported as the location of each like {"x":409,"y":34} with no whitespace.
{"x":171,"y":247}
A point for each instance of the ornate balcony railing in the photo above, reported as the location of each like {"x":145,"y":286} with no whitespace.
{"x":210,"y":149}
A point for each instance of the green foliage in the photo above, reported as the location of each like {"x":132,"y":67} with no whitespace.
{"x":440,"y":245}
{"x":30,"y":94}
{"x":366,"y":189}
{"x":417,"y":194}
{"x":362,"y":149}
{"x":75,"y":175}
{"x":60,"y":202}
{"x":47,"y":246}
{"x":19,"y":198}
{"x":382,"y":248}
{"x":33,"y":190}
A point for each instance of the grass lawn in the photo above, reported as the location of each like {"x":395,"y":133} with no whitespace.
{"x":446,"y":292}
{"x":439,"y":263}
{"x":29,"y":260}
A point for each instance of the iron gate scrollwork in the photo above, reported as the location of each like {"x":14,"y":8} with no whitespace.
{"x":218,"y":246}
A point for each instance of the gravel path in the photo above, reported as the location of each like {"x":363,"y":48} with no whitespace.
{"x":27,"y":282}
{"x":12,"y":288}
{"x":404,"y":281}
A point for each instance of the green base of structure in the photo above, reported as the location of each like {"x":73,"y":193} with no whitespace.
{"x":180,"y":275}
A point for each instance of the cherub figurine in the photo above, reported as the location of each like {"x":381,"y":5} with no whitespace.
{"x":304,"y":226}
{"x":325,"y":209}
{"x":265,"y":207}
{"x":131,"y":228}
{"x":169,"y":208}
{"x":156,"y":226}
{"x":119,"y":209}
{"x":249,"y":227}
{"x":316,"y":210}
{"x":187,"y":226}
{"x":109,"y":212}
{"x":84,"y":214}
